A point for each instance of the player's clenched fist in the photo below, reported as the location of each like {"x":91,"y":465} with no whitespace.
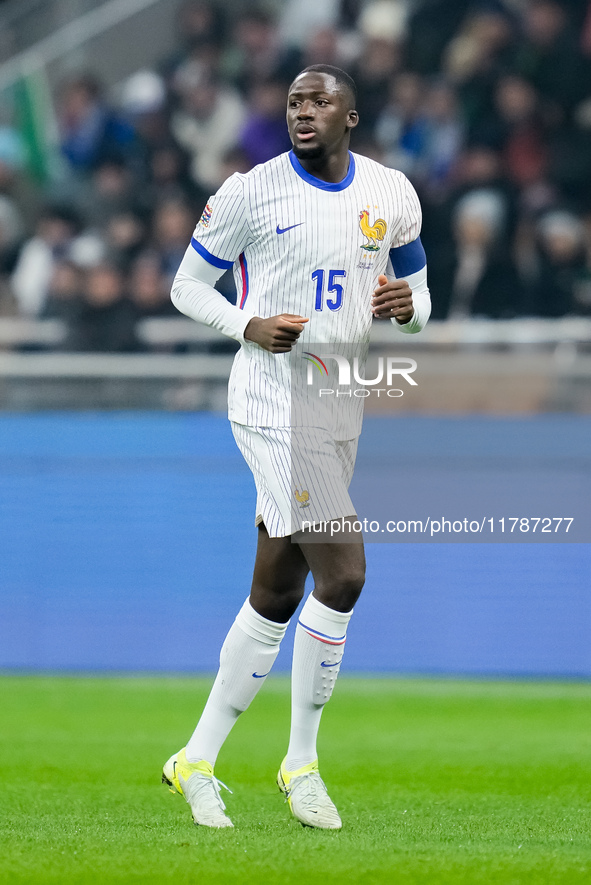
{"x":276,"y":334}
{"x":392,"y":300}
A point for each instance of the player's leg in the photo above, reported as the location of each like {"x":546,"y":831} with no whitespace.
{"x":339,"y":574}
{"x":338,"y":568}
{"x":279,"y":577}
{"x":252,"y":644}
{"x":246,"y":658}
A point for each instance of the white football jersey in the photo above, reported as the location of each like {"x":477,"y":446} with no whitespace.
{"x":303,"y":246}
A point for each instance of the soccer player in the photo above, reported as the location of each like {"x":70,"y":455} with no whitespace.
{"x":321,"y":240}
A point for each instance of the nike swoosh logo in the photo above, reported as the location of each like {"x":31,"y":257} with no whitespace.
{"x":282,"y":230}
{"x":260,"y":675}
{"x":326,"y":664}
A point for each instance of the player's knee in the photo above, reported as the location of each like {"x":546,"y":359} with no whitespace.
{"x":281,"y":595}
{"x":275,"y":605}
{"x":352,"y":585}
{"x":341,"y":592}
{"x":291,"y":594}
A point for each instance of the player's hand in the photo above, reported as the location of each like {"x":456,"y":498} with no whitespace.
{"x":276,"y":334}
{"x":392,"y":300}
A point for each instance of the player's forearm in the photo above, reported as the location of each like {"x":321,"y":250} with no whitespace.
{"x":408,"y":262}
{"x":193,"y":293}
{"x":421,"y":301}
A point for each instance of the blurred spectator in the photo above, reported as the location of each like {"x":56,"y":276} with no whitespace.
{"x":90,"y":131}
{"x":379,"y":59}
{"x":257,"y":55}
{"x":431,"y":26}
{"x":169,"y":179}
{"x":569,"y":150}
{"x":384,"y":20}
{"x":265,"y":133}
{"x":207,"y":123}
{"x":106,"y":318}
{"x":401,"y":130}
{"x":87,"y":249}
{"x":485,"y":42}
{"x":521,"y":130}
{"x":201,"y":36}
{"x":474,"y":60}
{"x":65,"y":293}
{"x":172,"y":228}
{"x":478,"y":168}
{"x":144,"y":102}
{"x":125,"y":237}
{"x":480,"y":278}
{"x":480,"y":165}
{"x":52,"y":242}
{"x":562,"y":271}
{"x":149,"y":288}
{"x":550,"y":53}
{"x":485,"y":105}
{"x":443,"y":139}
{"x":233,"y":161}
{"x":322,"y":47}
{"x":109,"y":190}
{"x":143,"y":99}
{"x":300,"y":18}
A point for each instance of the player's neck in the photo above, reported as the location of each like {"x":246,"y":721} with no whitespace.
{"x":331,"y":169}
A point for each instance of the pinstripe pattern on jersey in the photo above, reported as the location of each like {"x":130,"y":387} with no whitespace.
{"x":244,"y":276}
{"x":323,"y":234}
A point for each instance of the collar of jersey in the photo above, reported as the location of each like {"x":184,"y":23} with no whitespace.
{"x":317,"y":182}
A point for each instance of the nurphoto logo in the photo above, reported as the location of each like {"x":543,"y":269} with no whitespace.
{"x":388,"y":370}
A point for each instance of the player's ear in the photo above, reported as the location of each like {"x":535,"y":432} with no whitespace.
{"x":352,"y":119}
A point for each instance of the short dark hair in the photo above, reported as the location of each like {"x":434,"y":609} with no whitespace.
{"x":342,"y":78}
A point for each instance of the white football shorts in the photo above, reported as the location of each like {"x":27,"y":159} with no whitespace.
{"x":301,"y":475}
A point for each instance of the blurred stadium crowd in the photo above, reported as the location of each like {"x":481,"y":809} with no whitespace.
{"x":486,"y":106}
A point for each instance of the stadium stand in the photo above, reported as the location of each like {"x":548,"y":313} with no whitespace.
{"x":486,"y":107}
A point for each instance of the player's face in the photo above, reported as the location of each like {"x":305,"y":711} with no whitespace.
{"x":319,"y":116}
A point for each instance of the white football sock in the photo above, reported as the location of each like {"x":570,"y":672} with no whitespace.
{"x":247,"y":655}
{"x":317,"y":653}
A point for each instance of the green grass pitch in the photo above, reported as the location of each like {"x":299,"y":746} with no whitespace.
{"x":439,"y":782}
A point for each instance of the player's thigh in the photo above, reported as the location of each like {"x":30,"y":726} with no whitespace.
{"x":280,"y":566}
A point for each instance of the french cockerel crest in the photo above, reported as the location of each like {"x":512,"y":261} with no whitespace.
{"x":303,"y":497}
{"x":374,"y":233}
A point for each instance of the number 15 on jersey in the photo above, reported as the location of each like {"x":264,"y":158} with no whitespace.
{"x":333,"y":287}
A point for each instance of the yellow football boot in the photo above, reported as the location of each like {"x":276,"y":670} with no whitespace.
{"x":308,"y":799}
{"x":196,"y":782}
